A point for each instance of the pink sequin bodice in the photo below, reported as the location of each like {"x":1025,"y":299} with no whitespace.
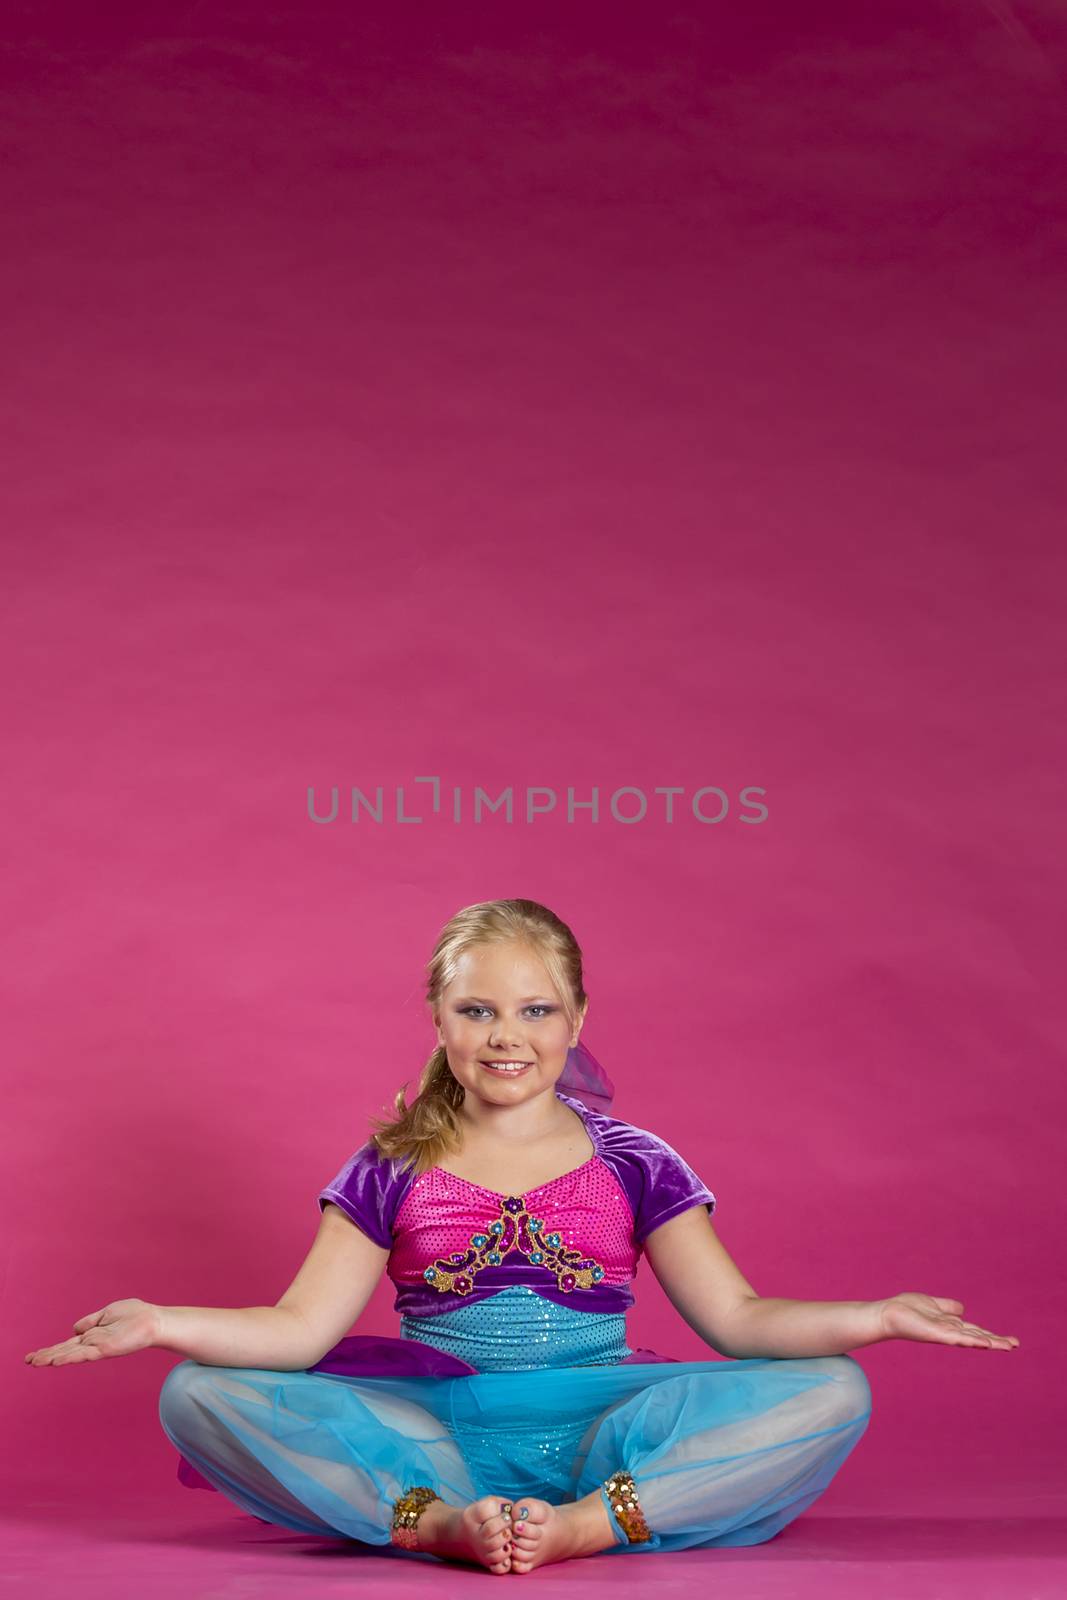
{"x":444,"y":1220}
{"x":576,"y":1240}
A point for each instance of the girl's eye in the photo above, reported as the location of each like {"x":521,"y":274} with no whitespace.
{"x":466,"y":1011}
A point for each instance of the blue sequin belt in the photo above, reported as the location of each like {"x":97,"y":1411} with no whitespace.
{"x":517,"y":1329}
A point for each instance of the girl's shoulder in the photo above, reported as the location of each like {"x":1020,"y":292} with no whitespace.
{"x":615,"y":1133}
{"x":658,"y":1181}
{"x":370,"y":1188}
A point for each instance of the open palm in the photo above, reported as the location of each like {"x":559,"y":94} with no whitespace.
{"x":122,"y":1327}
{"x":935,"y":1319}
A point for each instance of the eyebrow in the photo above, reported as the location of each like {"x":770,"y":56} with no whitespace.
{"x":482,"y":1002}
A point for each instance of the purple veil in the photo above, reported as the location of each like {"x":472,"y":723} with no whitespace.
{"x":585,"y":1079}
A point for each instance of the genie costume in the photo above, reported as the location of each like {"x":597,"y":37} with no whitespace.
{"x":512,"y":1374}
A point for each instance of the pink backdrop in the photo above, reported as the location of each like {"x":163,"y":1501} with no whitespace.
{"x":623,"y":398}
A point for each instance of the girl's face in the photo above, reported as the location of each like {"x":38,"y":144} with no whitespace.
{"x":502,"y":1007}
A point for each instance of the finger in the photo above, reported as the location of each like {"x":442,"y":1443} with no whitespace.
{"x":1005,"y":1340}
{"x":76,"y":1352}
{"x":958,"y":1325}
{"x":995,"y":1338}
{"x":951,"y":1331}
{"x":40,"y":1357}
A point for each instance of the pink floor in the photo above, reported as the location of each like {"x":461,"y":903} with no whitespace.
{"x":210,"y":1553}
{"x":928,"y":1507}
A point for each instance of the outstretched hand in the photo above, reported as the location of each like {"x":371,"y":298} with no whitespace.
{"x":936,"y":1320}
{"x":119,"y":1329}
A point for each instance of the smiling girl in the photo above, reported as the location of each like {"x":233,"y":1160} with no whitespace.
{"x":511,"y":1425}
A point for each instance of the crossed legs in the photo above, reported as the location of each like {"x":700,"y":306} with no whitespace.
{"x":655,"y":1471}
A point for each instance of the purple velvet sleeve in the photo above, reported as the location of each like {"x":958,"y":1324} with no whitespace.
{"x":658,"y":1182}
{"x":671,"y":1187}
{"x":369,"y":1192}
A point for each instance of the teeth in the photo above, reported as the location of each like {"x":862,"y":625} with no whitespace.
{"x":505,"y":1066}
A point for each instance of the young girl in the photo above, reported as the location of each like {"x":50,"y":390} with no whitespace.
{"x":511,"y":1424}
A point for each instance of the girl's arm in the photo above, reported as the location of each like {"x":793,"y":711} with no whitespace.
{"x":324,"y":1299}
{"x":762,"y":1327}
{"x":776,"y":1327}
{"x":251,"y":1336}
{"x":246,"y":1336}
{"x":708,"y":1289}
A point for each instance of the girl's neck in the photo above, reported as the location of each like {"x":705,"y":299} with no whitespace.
{"x":545,"y":1117}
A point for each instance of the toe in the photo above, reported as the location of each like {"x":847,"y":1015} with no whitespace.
{"x":530,"y":1512}
{"x":530,"y":1527}
{"x":487,"y":1517}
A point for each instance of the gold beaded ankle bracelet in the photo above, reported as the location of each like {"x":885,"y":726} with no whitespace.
{"x":623,"y":1494}
{"x":407,"y":1510}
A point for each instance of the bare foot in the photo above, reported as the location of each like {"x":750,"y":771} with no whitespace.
{"x":556,"y":1533}
{"x":479,"y":1533}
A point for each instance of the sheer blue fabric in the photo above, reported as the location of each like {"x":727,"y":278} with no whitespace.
{"x":723,"y":1452}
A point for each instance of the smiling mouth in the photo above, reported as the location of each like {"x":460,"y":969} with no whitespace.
{"x":505,"y":1070}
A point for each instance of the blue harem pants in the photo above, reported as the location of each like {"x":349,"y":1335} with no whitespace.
{"x":723,"y":1452}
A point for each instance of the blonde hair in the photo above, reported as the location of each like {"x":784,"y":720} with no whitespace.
{"x":429,"y":1128}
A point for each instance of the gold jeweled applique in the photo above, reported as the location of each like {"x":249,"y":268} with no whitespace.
{"x":514,"y":1230}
